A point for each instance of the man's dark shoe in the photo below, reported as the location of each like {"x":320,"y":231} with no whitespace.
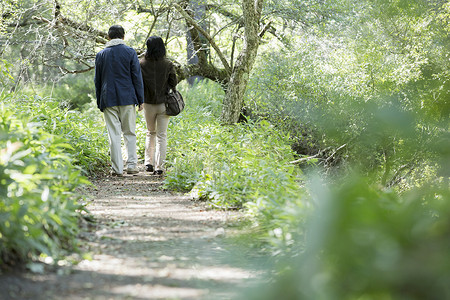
{"x":158,"y":172}
{"x":116,"y":174}
{"x":132,"y":170}
{"x":149,"y":168}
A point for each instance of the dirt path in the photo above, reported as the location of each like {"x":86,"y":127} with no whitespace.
{"x":147,"y":243}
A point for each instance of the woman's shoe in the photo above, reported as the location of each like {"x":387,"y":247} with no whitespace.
{"x":158,"y":172}
{"x":149,"y":168}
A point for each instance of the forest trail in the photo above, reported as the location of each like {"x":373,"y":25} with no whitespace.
{"x":146,"y":243}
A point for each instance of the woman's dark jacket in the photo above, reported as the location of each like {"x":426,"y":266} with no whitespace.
{"x":159,"y":76}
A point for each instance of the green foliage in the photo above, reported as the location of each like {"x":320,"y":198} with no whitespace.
{"x":7,"y":12}
{"x":84,"y":132}
{"x":364,"y":243}
{"x":5,"y":79}
{"x":5,"y":75}
{"x":74,"y":90}
{"x":244,"y":165}
{"x":353,"y":85}
{"x":302,"y":12}
{"x":202,"y":108}
{"x":237,"y":159}
{"x":39,"y":209}
{"x":368,"y":94}
{"x":361,"y":95}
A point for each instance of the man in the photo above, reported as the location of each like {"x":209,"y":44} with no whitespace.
{"x":119,"y":87}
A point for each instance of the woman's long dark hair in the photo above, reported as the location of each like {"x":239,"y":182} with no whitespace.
{"x":156,"y":49}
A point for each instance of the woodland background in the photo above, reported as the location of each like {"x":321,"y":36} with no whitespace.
{"x":326,"y":121}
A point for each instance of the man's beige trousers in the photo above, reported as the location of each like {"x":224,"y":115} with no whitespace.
{"x":121,"y":120}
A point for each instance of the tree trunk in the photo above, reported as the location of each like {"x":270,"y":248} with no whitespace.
{"x":202,"y":67}
{"x":234,"y":98}
{"x":198,"y":9}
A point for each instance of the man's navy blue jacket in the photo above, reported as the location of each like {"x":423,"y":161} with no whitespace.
{"x":118,"y":78}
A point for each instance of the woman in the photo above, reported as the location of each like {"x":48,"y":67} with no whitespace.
{"x":158,"y":74}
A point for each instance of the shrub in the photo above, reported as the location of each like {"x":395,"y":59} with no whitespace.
{"x":84,"y":131}
{"x":74,"y":90}
{"x":364,"y":243}
{"x":39,"y":210}
{"x":334,"y":110}
{"x":5,"y":74}
{"x":247,"y":165}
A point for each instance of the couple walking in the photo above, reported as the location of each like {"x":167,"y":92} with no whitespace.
{"x":123,"y":82}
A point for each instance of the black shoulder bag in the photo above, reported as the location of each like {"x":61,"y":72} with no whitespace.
{"x":174,"y":102}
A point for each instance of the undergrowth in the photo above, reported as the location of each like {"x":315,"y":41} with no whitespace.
{"x":40,"y":209}
{"x":247,"y":165}
{"x":83,"y":131}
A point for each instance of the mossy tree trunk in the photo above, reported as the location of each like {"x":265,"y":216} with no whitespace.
{"x":234,"y":98}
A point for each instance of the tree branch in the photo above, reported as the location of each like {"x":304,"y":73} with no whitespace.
{"x":266,"y":27}
{"x":208,"y":71}
{"x":397,"y":178}
{"x":303,"y":159}
{"x":66,"y":71}
{"x":156,"y":13}
{"x":191,"y":21}
{"x":334,"y":153}
{"x":150,"y":31}
{"x":235,"y":18}
{"x":101,"y":37}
